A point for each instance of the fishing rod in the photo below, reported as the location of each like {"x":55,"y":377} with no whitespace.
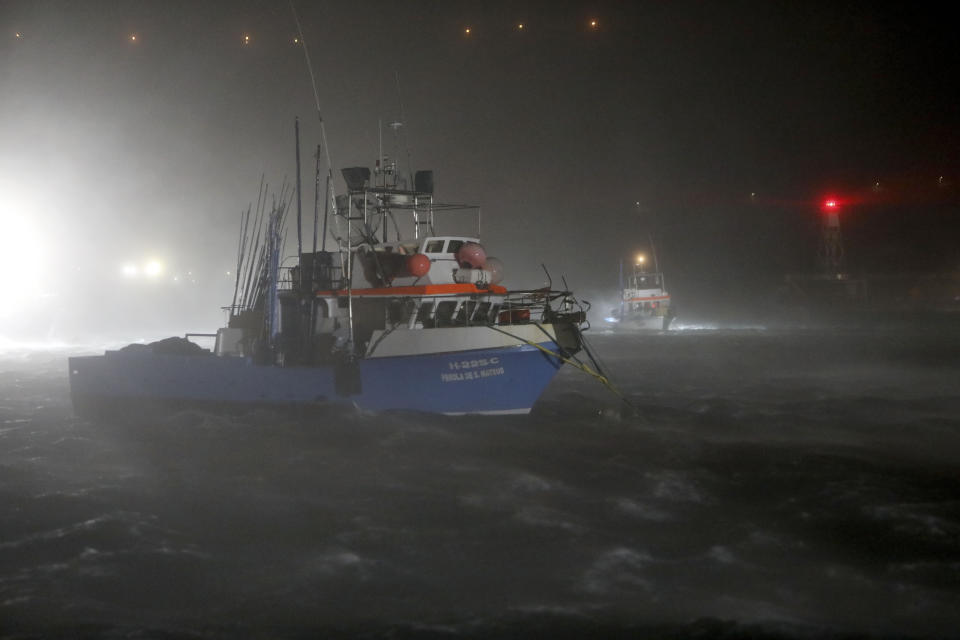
{"x":241,"y":247}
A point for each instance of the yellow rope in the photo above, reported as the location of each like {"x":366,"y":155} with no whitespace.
{"x":578,"y":365}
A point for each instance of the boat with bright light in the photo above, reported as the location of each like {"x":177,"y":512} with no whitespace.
{"x":400,"y":315}
{"x":646,"y":302}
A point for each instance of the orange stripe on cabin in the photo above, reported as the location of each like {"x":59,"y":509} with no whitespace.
{"x":420,"y":290}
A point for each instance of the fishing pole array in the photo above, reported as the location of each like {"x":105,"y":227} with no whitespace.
{"x":260,"y":240}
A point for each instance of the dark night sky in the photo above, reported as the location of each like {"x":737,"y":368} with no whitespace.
{"x":111,"y":148}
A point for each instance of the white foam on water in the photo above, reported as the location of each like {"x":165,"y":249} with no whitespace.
{"x":641,"y":511}
{"x":618,"y":569}
{"x":540,"y":516}
{"x":674,"y":487}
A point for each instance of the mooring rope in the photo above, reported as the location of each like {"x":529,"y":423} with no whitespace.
{"x":574,"y":363}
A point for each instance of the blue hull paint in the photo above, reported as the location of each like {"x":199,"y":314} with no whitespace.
{"x":503,"y":380}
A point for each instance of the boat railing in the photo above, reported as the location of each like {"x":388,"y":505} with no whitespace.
{"x":541,"y":305}
{"x":475,"y":309}
{"x":479,"y":309}
{"x":328,"y":278}
{"x":370,"y":212}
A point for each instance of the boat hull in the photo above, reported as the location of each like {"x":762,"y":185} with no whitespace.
{"x":502,"y":380}
{"x":642,"y":323}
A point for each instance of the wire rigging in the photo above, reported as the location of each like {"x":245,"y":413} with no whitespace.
{"x":331,"y":199}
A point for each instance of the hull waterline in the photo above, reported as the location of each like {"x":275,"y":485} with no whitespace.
{"x":485,"y":381}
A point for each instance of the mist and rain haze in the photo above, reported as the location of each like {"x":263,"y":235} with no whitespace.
{"x":781,"y":463}
{"x":134,"y":134}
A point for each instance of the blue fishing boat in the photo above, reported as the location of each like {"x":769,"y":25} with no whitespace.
{"x":400,"y":314}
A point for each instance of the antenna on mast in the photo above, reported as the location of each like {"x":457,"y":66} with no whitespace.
{"x":316,"y":98}
{"x":403,"y":120}
{"x":392,"y":168}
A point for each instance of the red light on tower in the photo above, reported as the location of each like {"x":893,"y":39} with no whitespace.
{"x":830,"y":205}
{"x":831,"y":246}
{"x":831,"y":211}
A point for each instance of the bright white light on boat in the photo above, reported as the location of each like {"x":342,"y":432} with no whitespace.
{"x":130,"y":270}
{"x":611,"y":319}
{"x":153,"y":268}
{"x":641,"y":258}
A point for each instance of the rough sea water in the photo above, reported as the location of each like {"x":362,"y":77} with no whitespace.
{"x":772,"y":483}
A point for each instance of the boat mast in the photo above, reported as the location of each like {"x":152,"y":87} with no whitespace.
{"x":653,"y":247}
{"x":656,"y":265}
{"x":316,"y":204}
{"x":326,"y":204}
{"x":620,"y":280}
{"x":273,"y":248}
{"x":296,"y":128}
{"x":346,"y":257}
{"x":331,"y":190}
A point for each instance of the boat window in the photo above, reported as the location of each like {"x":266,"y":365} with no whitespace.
{"x":482,"y":313}
{"x":434,"y":246}
{"x":399,"y":310}
{"x":425,"y":313}
{"x":466,"y":311}
{"x":454,"y":246}
{"x":445,"y":311}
